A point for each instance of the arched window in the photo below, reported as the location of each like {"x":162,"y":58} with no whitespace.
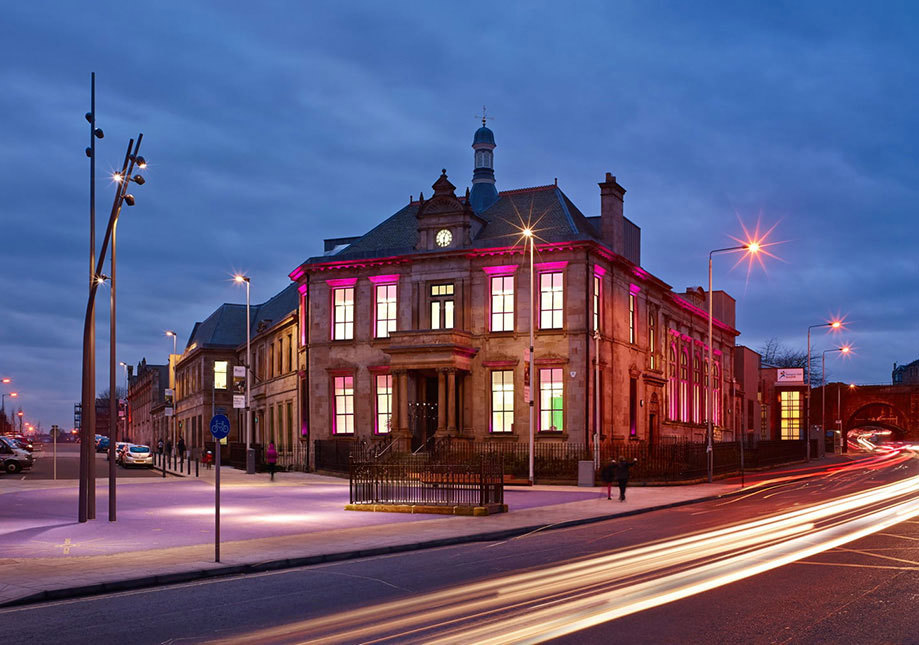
{"x":716,"y":399}
{"x":696,"y":387}
{"x":705,"y":409}
{"x":684,"y":385}
{"x":672,"y":383}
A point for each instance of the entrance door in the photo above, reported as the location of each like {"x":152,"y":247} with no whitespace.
{"x":423,"y":413}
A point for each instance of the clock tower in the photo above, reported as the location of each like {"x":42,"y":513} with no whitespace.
{"x":445,"y":221}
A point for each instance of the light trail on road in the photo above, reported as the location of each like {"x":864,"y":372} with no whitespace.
{"x":538,"y":605}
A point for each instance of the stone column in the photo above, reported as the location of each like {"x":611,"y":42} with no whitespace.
{"x":441,"y":400}
{"x":451,"y":401}
{"x":402,"y":440}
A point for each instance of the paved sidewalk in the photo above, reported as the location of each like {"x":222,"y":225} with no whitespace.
{"x":164,"y":531}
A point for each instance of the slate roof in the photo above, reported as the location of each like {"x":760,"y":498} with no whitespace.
{"x":226,"y":327}
{"x":555,"y":218}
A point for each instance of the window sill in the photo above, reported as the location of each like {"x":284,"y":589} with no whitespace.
{"x":504,"y":436}
{"x":546,"y":434}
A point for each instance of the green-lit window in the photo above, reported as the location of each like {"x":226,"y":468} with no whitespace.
{"x":551,"y":400}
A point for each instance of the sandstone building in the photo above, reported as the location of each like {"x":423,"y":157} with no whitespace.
{"x":419,"y":328}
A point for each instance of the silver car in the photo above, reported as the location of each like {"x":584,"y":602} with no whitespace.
{"x":137,"y":455}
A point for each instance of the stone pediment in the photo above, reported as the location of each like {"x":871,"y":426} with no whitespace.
{"x":444,"y":200}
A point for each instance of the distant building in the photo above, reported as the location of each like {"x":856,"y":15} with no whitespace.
{"x":905,"y":374}
{"x":419,"y":329}
{"x":204,"y":373}
{"x":146,"y":392}
{"x":750,"y":410}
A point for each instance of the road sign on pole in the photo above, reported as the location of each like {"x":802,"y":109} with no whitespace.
{"x":220,"y":428}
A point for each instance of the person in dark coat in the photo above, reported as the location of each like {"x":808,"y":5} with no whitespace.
{"x":608,"y":475}
{"x":181,"y":449}
{"x":621,"y":474}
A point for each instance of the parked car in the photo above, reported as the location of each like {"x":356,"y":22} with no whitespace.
{"x":136,"y":455}
{"x":21,"y":442}
{"x":119,"y":446}
{"x":101,"y":443}
{"x":12,"y":458}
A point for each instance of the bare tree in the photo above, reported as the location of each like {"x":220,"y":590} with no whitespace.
{"x":775,"y":353}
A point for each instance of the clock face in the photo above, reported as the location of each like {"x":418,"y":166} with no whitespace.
{"x":444,"y":237}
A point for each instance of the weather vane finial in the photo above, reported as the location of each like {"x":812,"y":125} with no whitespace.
{"x":483,"y":117}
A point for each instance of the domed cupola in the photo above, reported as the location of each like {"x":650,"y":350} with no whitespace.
{"x":483,"y":193}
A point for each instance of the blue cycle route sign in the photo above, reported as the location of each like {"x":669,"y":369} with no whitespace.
{"x":220,"y":426}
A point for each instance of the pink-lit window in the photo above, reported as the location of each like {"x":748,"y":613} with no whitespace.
{"x":384,"y":402}
{"x":652,"y":338}
{"x":386,"y":309}
{"x":705,"y":402}
{"x":343,"y":313}
{"x":344,"y":405}
{"x":672,"y":382}
{"x":716,"y":401}
{"x":597,"y":287}
{"x":551,"y":400}
{"x":684,"y":385}
{"x":696,"y":383}
{"x":551,"y":300}
{"x":632,"y":335}
{"x":502,"y":401}
{"x":502,"y":303}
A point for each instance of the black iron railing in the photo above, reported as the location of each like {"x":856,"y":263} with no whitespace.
{"x":414,"y":480}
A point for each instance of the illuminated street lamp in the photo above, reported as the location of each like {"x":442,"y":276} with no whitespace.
{"x":844,"y":350}
{"x":833,"y":325}
{"x":250,"y":453}
{"x":528,"y":236}
{"x":87,"y":494}
{"x":169,"y":332}
{"x":3,"y":396}
{"x":751,"y":248}
{"x":6,"y":380}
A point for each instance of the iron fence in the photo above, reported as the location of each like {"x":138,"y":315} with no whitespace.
{"x":413,"y":480}
{"x":671,"y":461}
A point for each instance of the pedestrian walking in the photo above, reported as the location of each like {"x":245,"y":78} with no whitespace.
{"x":169,"y":447}
{"x":621,"y":473}
{"x":159,"y":447}
{"x":181,"y":448}
{"x":607,"y":474}
{"x":271,"y":458}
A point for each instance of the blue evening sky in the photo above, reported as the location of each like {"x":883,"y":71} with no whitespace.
{"x":271,"y":125}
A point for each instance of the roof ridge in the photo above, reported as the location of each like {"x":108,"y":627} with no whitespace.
{"x":526,"y":190}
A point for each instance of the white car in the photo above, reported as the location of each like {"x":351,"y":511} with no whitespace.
{"x":137,"y":455}
{"x":12,"y":458}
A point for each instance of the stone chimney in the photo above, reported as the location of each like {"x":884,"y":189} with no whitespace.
{"x":612,"y":226}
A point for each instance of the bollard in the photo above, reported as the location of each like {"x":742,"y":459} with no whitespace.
{"x":196,"y":467}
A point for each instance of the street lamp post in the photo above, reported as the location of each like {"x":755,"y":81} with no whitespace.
{"x":844,"y":349}
{"x":834,"y":325}
{"x":250,"y":453}
{"x":750,"y":247}
{"x":87,"y":507}
{"x":172,"y":385}
{"x":528,"y":235}
{"x":3,"y":396}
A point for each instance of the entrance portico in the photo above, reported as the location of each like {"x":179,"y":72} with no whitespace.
{"x":418,"y":359}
